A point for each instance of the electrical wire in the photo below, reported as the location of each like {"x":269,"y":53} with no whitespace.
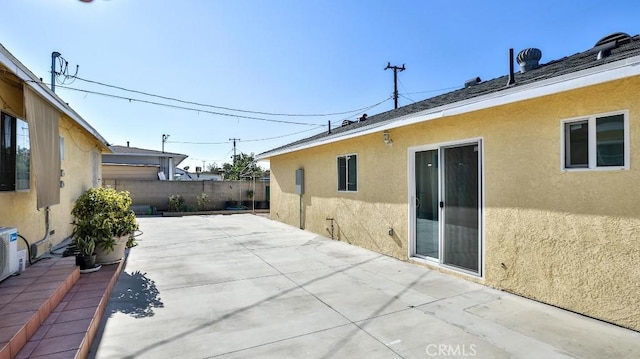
{"x":253,"y":140}
{"x":410,"y":99}
{"x":435,"y":90}
{"x":189,"y":108}
{"x":405,"y":93}
{"x":230,"y":108}
{"x":281,"y":136}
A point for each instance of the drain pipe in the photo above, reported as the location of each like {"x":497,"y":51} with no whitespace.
{"x":34,"y":246}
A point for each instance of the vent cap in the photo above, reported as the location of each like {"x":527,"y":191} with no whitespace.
{"x":528,"y":59}
{"x":618,"y":38}
{"x":604,"y":46}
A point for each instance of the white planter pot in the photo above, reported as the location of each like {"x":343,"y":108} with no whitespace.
{"x":114,"y":256}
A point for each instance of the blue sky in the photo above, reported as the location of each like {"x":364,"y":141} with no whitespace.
{"x":281,"y":56}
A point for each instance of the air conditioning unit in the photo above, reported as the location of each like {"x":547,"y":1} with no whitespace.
{"x":8,"y":251}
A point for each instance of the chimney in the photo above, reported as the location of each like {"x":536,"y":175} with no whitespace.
{"x":528,"y":59}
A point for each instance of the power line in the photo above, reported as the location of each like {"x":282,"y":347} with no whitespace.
{"x":253,"y":140}
{"x":410,"y":99}
{"x":404,"y":94}
{"x":435,"y":90}
{"x":226,"y":108}
{"x":188,"y":108}
{"x":281,"y":136}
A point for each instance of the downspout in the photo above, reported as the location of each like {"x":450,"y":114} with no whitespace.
{"x":34,"y":246}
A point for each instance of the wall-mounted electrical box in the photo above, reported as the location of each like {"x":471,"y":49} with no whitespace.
{"x":300,"y":181}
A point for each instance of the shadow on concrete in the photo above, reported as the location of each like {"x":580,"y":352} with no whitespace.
{"x":238,"y":311}
{"x":136,"y":295}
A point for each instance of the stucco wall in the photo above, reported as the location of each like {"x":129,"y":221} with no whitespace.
{"x":156,"y":193}
{"x":18,"y":209}
{"x":112,"y":172}
{"x":566,"y":238}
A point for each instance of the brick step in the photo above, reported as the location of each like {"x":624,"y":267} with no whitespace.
{"x":66,"y":322}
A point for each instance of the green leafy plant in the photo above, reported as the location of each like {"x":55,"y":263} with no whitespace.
{"x":176,"y":203}
{"x":103,"y":215}
{"x":250,"y":194}
{"x":201,"y":201}
{"x":86,"y":246}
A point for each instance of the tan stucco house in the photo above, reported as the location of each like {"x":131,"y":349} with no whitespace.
{"x":49,"y":155}
{"x":529,"y":182}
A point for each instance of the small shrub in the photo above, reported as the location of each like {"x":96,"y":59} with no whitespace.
{"x":176,"y":203}
{"x":202,"y":200}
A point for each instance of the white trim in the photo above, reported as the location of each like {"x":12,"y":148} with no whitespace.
{"x":592,"y":143}
{"x":347,"y":174}
{"x":411,"y":186}
{"x":158,"y":155}
{"x":592,"y":76}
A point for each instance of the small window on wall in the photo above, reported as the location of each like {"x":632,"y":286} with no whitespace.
{"x":348,"y":173}
{"x":61,"y":148}
{"x":15,"y":154}
{"x":596,"y":142}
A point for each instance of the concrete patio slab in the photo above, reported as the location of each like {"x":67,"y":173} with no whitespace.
{"x":244,"y":286}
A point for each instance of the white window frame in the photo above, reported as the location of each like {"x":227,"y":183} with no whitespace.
{"x":347,"y":173}
{"x":61,"y":148}
{"x":26,"y":186}
{"x":591,"y":122}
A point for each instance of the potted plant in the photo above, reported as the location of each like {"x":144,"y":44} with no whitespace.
{"x":249,"y":202}
{"x":86,"y":257}
{"x":103,"y":215}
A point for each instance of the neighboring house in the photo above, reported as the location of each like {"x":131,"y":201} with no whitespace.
{"x":531,"y":187}
{"x":49,"y":155}
{"x":133,"y":163}
{"x":182,"y":175}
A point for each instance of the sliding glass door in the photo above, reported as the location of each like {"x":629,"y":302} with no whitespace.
{"x":448,"y":205}
{"x":427,"y":211}
{"x":461,"y":207}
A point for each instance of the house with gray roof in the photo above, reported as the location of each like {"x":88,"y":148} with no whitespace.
{"x":134,"y":163}
{"x":529,"y":182}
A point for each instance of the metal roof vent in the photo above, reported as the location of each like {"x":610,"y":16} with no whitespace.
{"x":604,"y":46}
{"x":528,"y":59}
{"x":472,"y":82}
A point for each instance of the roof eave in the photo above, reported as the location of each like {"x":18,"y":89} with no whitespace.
{"x":22,"y":72}
{"x":625,"y":68}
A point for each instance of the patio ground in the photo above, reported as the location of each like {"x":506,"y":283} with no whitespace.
{"x":243,"y":286}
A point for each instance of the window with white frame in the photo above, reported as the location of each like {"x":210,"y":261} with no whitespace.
{"x":599,"y":141}
{"x":348,"y":173}
{"x":15,"y":154}
{"x":61,"y":148}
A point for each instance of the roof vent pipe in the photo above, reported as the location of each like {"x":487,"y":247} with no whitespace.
{"x":512,"y":80}
{"x":472,"y":82}
{"x":528,"y":59}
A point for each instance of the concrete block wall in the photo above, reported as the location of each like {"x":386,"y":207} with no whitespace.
{"x":156,"y":193}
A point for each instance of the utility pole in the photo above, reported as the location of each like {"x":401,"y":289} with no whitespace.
{"x":54,"y":56}
{"x":395,"y":80}
{"x":164,"y":139}
{"x":234,"y":148}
